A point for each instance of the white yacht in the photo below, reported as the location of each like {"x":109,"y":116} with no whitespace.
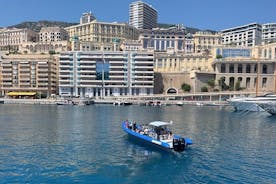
{"x":251,"y":103}
{"x":269,"y":107}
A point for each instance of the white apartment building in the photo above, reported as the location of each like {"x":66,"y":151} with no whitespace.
{"x":99,"y":74}
{"x":268,"y":33}
{"x":247,"y":35}
{"x":52,"y":34}
{"x":163,"y":39}
{"x":142,"y":15}
{"x":11,"y":39}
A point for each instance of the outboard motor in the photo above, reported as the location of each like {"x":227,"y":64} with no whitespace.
{"x":179,"y":144}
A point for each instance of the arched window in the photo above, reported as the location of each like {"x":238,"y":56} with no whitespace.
{"x":264,"y":82}
{"x":231,"y":83}
{"x":247,"y":84}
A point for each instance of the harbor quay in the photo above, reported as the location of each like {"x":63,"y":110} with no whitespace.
{"x":157,"y":99}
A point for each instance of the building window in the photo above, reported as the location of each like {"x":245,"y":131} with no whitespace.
{"x":222,"y":68}
{"x":264,"y":68}
{"x":264,"y":82}
{"x":247,"y":82}
{"x":248,"y":68}
{"x":231,"y":68}
{"x":240,"y":68}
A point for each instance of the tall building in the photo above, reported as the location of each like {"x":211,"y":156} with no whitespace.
{"x":29,"y":73}
{"x":268,"y":33}
{"x":142,"y":15}
{"x":100,"y":74}
{"x":247,"y":35}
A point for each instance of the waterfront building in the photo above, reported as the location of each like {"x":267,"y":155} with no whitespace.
{"x":268,"y":33}
{"x":175,"y":62}
{"x":205,"y":41}
{"x":142,"y":15}
{"x":29,"y":73}
{"x":267,"y":51}
{"x":163,"y":39}
{"x":247,"y":35}
{"x":12,"y":38}
{"x":241,"y":65}
{"x":92,"y":35}
{"x":52,"y":34}
{"x":100,"y":74}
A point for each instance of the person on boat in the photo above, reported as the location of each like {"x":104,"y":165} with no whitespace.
{"x":130,"y":125}
{"x":127,"y":123}
{"x":134,"y":126}
{"x":170,"y":135}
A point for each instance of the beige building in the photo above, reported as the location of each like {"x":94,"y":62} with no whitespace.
{"x":96,"y":35}
{"x":29,"y":73}
{"x":44,"y":47}
{"x":254,"y":68}
{"x":131,"y":45}
{"x":206,"y":41}
{"x":165,"y":62}
{"x":52,"y":34}
{"x":11,"y":39}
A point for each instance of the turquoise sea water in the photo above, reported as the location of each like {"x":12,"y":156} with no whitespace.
{"x":85,"y":144}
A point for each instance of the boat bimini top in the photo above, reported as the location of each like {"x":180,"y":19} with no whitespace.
{"x":159,"y":123}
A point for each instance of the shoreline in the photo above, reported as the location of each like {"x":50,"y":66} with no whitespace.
{"x":113,"y":102}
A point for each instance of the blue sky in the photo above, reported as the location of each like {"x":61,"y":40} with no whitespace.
{"x":203,"y":14}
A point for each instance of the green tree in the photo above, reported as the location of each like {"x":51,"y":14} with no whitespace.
{"x":219,"y":56}
{"x":204,"y":89}
{"x":211,"y":83}
{"x":238,"y":86}
{"x":186,"y":87}
{"x":222,"y":84}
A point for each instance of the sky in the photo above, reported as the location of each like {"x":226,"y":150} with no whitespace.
{"x":203,"y":14}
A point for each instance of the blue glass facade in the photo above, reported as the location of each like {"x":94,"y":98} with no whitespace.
{"x":225,"y":53}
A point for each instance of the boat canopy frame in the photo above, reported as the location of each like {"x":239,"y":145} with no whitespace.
{"x":159,"y":123}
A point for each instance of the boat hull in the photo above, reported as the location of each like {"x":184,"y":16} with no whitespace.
{"x":246,"y":106}
{"x":269,"y":107}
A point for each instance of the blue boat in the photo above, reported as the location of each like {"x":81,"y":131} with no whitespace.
{"x":157,"y":133}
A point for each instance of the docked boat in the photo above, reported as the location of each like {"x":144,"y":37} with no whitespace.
{"x":251,"y":103}
{"x":65,"y":102}
{"x":269,"y":107}
{"x":157,"y":133}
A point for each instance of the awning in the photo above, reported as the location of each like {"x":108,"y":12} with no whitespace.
{"x":159,"y":123}
{"x":21,"y":93}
